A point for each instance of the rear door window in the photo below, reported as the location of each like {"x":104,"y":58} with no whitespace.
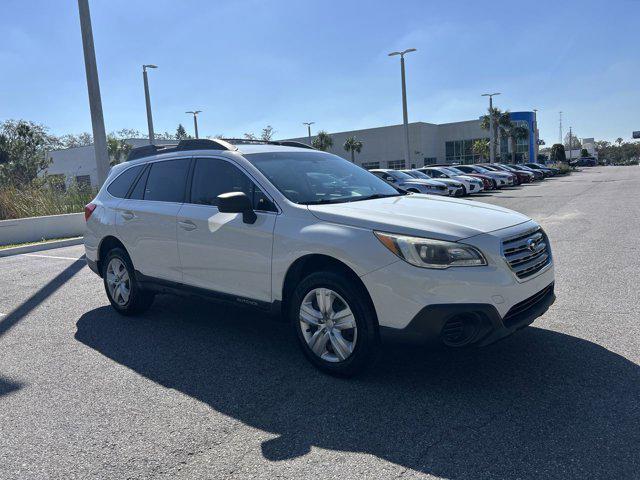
{"x":121,"y":185}
{"x":167,"y":180}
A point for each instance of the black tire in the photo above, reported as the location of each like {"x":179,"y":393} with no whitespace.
{"x":139,"y":300}
{"x":464,"y":191}
{"x":367,"y":341}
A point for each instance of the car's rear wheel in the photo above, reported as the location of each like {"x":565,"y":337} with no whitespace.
{"x":124,"y":293}
{"x":334,"y":323}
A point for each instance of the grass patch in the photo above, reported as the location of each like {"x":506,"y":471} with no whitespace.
{"x":43,"y":241}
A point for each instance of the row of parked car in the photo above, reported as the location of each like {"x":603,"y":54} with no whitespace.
{"x":462,"y":180}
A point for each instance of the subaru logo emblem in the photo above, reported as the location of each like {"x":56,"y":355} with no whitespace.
{"x":531,"y":244}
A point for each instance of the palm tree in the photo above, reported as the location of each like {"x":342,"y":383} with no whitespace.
{"x":500,"y":119}
{"x":353,"y":145}
{"x":323,"y":141}
{"x":619,"y":141}
{"x":481,"y":147}
{"x":514,"y":132}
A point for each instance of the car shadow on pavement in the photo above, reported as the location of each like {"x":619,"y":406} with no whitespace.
{"x":539,"y":404}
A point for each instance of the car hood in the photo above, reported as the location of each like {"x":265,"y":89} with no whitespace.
{"x":441,"y":218}
{"x":467,"y":178}
{"x":449,"y":181}
{"x":424,"y":181}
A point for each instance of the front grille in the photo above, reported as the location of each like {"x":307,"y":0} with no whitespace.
{"x":527,"y":253}
{"x":520,"y":310}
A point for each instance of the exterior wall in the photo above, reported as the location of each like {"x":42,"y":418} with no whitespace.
{"x":79,"y":161}
{"x":385,"y":144}
{"x":35,"y":229}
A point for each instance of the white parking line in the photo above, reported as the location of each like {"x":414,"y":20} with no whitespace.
{"x":48,"y":256}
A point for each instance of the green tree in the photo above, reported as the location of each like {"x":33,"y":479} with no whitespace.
{"x":481,"y":147}
{"x":181,"y":133}
{"x":584,"y":153}
{"x":118,"y":149}
{"x":353,"y":145}
{"x":80,"y":140}
{"x":619,"y":141}
{"x":558,"y":154}
{"x":322,"y":141}
{"x":23,"y":147}
{"x":267,"y":133}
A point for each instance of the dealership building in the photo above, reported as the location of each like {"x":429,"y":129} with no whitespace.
{"x":429,"y":143}
{"x":383,"y":147}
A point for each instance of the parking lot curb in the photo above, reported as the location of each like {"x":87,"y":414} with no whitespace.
{"x":36,"y":247}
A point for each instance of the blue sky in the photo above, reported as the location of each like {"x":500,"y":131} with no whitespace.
{"x":247,"y":64}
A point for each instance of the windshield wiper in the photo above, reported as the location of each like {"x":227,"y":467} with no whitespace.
{"x":323,"y":201}
{"x":374,"y":196}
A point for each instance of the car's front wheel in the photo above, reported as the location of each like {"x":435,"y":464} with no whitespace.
{"x":334,"y":323}
{"x":124,"y":293}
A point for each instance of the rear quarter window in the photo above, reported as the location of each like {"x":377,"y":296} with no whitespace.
{"x":123,"y":182}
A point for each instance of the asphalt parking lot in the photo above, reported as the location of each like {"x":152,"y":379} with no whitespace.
{"x":193,"y":389}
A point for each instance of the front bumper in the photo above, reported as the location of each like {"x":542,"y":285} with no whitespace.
{"x":405,"y":296}
{"x":463,"y":324}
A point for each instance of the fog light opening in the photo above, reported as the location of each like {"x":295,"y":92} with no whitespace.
{"x":461,"y":329}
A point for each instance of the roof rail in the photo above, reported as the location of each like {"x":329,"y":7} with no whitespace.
{"x":252,"y":141}
{"x":189,"y":144}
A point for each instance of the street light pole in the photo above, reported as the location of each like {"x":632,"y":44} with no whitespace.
{"x":570,"y":145}
{"x":93,"y":86}
{"x":195,"y":120}
{"x":308,"y":124}
{"x":492,"y":146}
{"x":148,"y":101}
{"x":405,"y":115}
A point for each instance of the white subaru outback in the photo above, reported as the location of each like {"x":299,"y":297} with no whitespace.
{"x":346,"y":258}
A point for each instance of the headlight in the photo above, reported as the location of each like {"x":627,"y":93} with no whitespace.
{"x":428,"y":253}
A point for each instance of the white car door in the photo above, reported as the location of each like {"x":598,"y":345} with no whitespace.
{"x":218,"y":251}
{"x":146,"y":221}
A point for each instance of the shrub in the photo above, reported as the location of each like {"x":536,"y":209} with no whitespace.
{"x":558,"y":154}
{"x":36,"y":201}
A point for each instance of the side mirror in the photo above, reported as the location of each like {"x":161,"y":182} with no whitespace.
{"x":237,"y":202}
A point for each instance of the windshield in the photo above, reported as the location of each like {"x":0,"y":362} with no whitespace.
{"x":454,"y":170}
{"x":480,"y":169}
{"x":399,"y":175}
{"x":420,"y":175}
{"x":318,"y":177}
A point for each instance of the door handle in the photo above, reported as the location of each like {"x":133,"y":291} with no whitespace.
{"x":187,"y":225}
{"x":127,"y":215}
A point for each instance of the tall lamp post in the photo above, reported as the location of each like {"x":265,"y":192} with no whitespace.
{"x":308,"y":124}
{"x":405,"y":115}
{"x":492,"y":146}
{"x":195,"y":120}
{"x":148,"y":100}
{"x":93,"y":86}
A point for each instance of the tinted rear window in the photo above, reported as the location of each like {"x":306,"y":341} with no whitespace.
{"x":121,"y":185}
{"x":166,"y":181}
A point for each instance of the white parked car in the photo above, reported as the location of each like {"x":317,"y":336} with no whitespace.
{"x":456,"y":188}
{"x":343,"y":256}
{"x":408,"y":183}
{"x":471,"y":185}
